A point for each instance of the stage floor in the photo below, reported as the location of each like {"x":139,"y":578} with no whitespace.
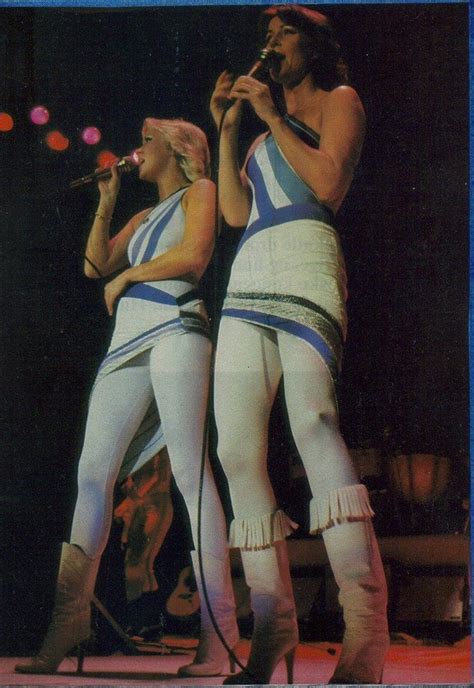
{"x":406,"y":665}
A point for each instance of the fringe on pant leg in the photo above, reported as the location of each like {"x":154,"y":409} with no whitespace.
{"x":260,"y":532}
{"x":350,"y":503}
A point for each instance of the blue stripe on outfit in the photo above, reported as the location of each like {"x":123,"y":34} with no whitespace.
{"x":157,"y":232}
{"x":289,"y":213}
{"x":151,"y":231}
{"x":138,"y":239}
{"x":262,"y":198}
{"x":120,"y":351}
{"x":291,"y":326}
{"x":284,"y":175}
{"x":140,"y":290}
{"x":150,"y":311}
{"x":297,"y":258}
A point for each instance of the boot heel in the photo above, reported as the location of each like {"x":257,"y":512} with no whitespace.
{"x":231,"y":664}
{"x":290,"y":664}
{"x":81,"y":651}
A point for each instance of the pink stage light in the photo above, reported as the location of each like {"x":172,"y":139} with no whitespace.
{"x":39,"y":115}
{"x":91,"y":136}
{"x":6,"y":121}
{"x":57,"y":141}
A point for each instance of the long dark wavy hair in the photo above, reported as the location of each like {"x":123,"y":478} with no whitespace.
{"x":320,"y":47}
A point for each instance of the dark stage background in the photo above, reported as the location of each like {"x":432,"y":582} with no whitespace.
{"x":404,"y":227}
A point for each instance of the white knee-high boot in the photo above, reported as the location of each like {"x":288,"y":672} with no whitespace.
{"x":355,"y":560}
{"x":275,"y":633}
{"x":211,"y":653}
{"x":71,"y":619}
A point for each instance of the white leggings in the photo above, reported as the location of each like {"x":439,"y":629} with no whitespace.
{"x":176,"y":372}
{"x":250,"y":361}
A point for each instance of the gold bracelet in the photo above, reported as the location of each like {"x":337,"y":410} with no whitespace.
{"x":103,"y":217}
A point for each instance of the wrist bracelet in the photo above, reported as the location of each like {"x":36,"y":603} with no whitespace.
{"x":105,"y":218}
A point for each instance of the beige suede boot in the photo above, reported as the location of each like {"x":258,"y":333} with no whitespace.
{"x":71,"y":619}
{"x":355,"y":560}
{"x":275,"y":634}
{"x":211,"y":654}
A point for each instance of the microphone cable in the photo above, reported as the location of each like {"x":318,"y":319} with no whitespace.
{"x":218,"y":222}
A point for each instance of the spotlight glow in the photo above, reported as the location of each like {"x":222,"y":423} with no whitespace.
{"x":39,"y":115}
{"x":91,"y":136}
{"x":57,"y":141}
{"x":106,"y":158}
{"x":6,"y":121}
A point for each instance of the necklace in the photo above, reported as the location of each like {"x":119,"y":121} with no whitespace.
{"x":147,"y":218}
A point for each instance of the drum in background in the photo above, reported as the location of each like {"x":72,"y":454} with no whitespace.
{"x":419,"y":478}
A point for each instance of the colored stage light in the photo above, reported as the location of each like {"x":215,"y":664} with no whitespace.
{"x":57,"y":141}
{"x":6,"y":121}
{"x":106,"y":158}
{"x":39,"y":115}
{"x":91,"y":135}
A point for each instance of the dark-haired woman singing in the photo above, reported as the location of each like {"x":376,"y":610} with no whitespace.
{"x":284,"y":315}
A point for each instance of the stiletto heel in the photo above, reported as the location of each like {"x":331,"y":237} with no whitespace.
{"x":232,"y":662}
{"x":247,"y":677}
{"x":275,"y":631}
{"x":212,"y":656}
{"x":290,"y":664}
{"x":81,"y":651}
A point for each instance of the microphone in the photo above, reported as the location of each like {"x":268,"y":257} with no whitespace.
{"x":263,"y":56}
{"x":125,"y":164}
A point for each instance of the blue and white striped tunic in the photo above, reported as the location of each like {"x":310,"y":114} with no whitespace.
{"x":289,"y":272}
{"x":149,"y":311}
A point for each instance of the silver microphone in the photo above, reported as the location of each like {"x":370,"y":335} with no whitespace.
{"x":125,"y":164}
{"x":263,"y":56}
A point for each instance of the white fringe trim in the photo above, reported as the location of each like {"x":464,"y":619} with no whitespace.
{"x":261,"y":532}
{"x":347,"y":504}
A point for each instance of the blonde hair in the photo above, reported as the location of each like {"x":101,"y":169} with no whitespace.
{"x":189,"y":144}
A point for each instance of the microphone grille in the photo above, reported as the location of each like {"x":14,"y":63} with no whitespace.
{"x":264,"y":54}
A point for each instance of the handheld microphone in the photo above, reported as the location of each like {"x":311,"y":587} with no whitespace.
{"x":261,"y":61}
{"x":263,"y":56}
{"x":125,"y":164}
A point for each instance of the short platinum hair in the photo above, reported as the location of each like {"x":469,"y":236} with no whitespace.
{"x":189,"y":144}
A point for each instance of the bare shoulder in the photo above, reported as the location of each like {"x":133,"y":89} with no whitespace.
{"x":201,"y":187}
{"x":202,"y":190}
{"x":344,"y":98}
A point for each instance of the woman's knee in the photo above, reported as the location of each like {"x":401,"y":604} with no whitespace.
{"x":240,"y":452}
{"x":312,"y":421}
{"x":93,"y":475}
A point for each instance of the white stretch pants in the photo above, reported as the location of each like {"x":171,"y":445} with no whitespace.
{"x":176,"y":372}
{"x":250,"y":361}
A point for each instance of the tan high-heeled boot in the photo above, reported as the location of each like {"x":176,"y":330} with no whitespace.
{"x":71,"y":619}
{"x":275,"y":633}
{"x":211,"y":654}
{"x":355,"y":560}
